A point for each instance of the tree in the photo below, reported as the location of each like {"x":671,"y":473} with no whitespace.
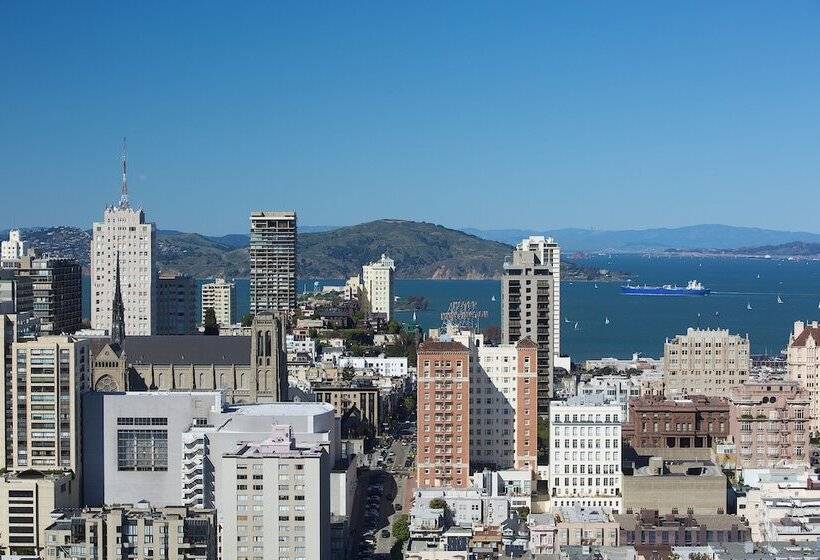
{"x":348,"y":372}
{"x":438,"y":503}
{"x":543,"y":440}
{"x":523,"y":512}
{"x":247,"y":320}
{"x":393,"y":326}
{"x":409,"y":404}
{"x":401,"y":528}
{"x":209,"y":322}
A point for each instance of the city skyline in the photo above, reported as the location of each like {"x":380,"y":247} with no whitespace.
{"x":598,"y":117}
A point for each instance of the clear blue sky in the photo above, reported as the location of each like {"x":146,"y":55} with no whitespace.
{"x":602,"y":114}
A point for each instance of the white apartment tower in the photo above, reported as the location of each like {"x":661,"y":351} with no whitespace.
{"x":124,"y":236}
{"x":378,"y":286}
{"x":585,"y":443}
{"x":220,"y":296}
{"x":14,"y":249}
{"x":273,"y":261}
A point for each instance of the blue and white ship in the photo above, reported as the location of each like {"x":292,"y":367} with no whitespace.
{"x":693,"y":288}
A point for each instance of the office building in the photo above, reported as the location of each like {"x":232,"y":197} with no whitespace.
{"x":769,"y":423}
{"x":27,"y":499}
{"x":57,"y":293}
{"x":673,"y":487}
{"x":803,"y":364}
{"x":443,"y":397}
{"x":695,"y":423}
{"x":273,"y":261}
{"x":51,"y":373}
{"x":585,"y":443}
{"x":503,"y":403}
{"x":705,"y":362}
{"x":528,"y":310}
{"x":132,"y":531}
{"x":176,"y":304}
{"x":275,"y":500}
{"x":220,"y":296}
{"x":12,"y":250}
{"x":124,"y":237}
{"x":377,"y":278}
{"x":16,"y":294}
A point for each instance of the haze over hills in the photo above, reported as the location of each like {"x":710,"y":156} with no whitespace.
{"x":712,"y":236}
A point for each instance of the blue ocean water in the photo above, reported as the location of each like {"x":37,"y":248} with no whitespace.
{"x":640,"y":324}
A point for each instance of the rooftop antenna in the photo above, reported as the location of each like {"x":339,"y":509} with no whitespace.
{"x":124,"y":187}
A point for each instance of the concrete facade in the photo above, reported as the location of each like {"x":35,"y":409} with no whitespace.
{"x":220,"y":296}
{"x":377,"y":292}
{"x":273,"y":261}
{"x":697,"y":487}
{"x":705,"y":362}
{"x":125,"y":235}
{"x":56,"y":286}
{"x":527,"y":311}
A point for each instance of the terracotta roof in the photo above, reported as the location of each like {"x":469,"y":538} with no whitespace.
{"x":803,"y":337}
{"x":526,"y":343}
{"x":441,"y":346}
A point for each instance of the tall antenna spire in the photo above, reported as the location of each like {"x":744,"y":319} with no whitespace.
{"x":124,"y":187}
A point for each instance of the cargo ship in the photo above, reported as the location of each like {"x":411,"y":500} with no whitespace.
{"x":693,"y":288}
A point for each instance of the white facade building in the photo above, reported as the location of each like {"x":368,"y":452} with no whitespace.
{"x":300,"y":344}
{"x":585,"y":442}
{"x":616,"y":389}
{"x":125,"y":237}
{"x":220,"y":296}
{"x":378,"y":286}
{"x":382,"y":366}
{"x":275,"y":500}
{"x":803,"y":363}
{"x":705,"y":362}
{"x":549,"y":253}
{"x":14,"y":249}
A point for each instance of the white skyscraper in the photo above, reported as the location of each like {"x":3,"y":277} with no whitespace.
{"x":378,"y":286}
{"x":549,"y":253}
{"x":220,"y":296}
{"x":13,"y":250}
{"x":125,"y":235}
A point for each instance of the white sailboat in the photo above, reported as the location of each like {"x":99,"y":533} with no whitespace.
{"x":492,"y":298}
{"x":758,"y":275}
{"x":414,"y":315}
{"x":596,"y":286}
{"x":749,"y":305}
{"x":606,"y":320}
{"x":779,"y":300}
{"x":576,"y":325}
{"x":566,"y":320}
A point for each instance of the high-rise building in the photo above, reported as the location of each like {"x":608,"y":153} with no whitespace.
{"x":705,"y":362}
{"x":125,"y":237}
{"x":549,"y":253}
{"x":16,"y":295}
{"x":803,"y":363}
{"x":112,"y":532}
{"x":503,"y":403}
{"x":443,"y":435}
{"x":51,"y":373}
{"x":13,"y":328}
{"x":275,"y":499}
{"x":13,"y":250}
{"x":220,"y":296}
{"x":585,"y":443}
{"x":57,"y":292}
{"x":176,"y":303}
{"x":273,"y":261}
{"x":378,"y":286}
{"x":527,"y":308}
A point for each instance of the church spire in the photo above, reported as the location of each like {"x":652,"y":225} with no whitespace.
{"x":117,"y":310}
{"x":124,"y":185}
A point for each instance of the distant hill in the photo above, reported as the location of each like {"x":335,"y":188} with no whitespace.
{"x":420,"y":249}
{"x":793,"y":249}
{"x":712,"y":236}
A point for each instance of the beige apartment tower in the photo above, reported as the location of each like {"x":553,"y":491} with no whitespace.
{"x":273,"y":261}
{"x":705,"y":362}
{"x":528,"y":309}
{"x":803,"y":362}
{"x":220,"y":296}
{"x":377,"y":278}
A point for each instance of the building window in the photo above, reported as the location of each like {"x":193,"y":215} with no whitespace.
{"x":142,"y":450}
